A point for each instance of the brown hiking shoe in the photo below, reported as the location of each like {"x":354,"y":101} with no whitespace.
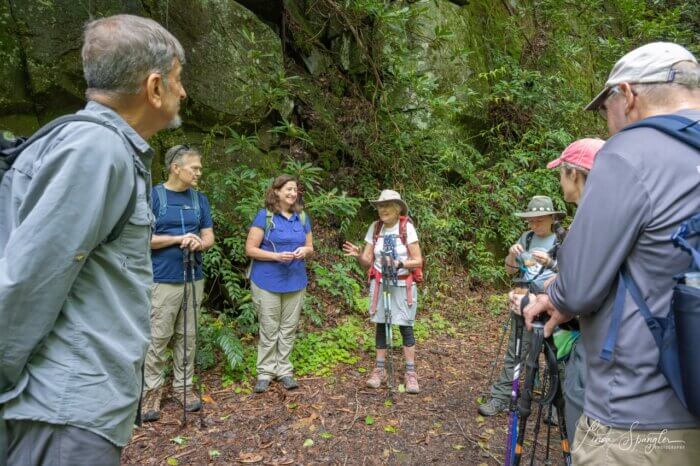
{"x":377,"y":378}
{"x":412,"y":383}
{"x":193,"y":401}
{"x":150,"y":408}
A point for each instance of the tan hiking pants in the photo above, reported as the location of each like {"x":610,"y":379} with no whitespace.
{"x":278,"y":317}
{"x":168,"y":323}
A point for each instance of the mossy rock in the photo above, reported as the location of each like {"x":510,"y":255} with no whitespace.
{"x":13,"y":94}
{"x":234,"y":73}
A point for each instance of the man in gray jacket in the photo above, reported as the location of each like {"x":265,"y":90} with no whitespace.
{"x":74,"y":308}
{"x":643,"y":184}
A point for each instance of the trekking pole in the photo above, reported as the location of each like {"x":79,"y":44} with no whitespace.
{"x":494,"y":363}
{"x":197,"y":387}
{"x":185,"y":268}
{"x":531,"y":370}
{"x":389,"y":275}
{"x":515,"y":393}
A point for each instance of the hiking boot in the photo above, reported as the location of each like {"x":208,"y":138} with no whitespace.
{"x":193,"y":401}
{"x":150,"y":408}
{"x":412,"y":383}
{"x":493,"y":407}
{"x":261,"y":385}
{"x":289,"y":382}
{"x":377,"y":377}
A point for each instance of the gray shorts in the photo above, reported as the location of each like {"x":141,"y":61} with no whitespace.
{"x":401,"y":312}
{"x":42,"y":444}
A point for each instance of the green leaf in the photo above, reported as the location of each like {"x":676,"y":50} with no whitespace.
{"x":172,"y":461}
{"x":361,"y":370}
{"x":326,"y":435}
{"x":292,"y":406}
{"x":388,"y":403}
{"x":391,"y":429}
{"x":458,"y":447}
{"x":369,"y":420}
{"x":180,"y":440}
{"x":214,"y":453}
{"x":402,"y":388}
{"x":308,"y":442}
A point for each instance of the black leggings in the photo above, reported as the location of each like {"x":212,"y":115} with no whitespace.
{"x":406,"y":336}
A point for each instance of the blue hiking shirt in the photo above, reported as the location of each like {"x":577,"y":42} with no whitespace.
{"x":167,"y":262}
{"x":285,"y":235}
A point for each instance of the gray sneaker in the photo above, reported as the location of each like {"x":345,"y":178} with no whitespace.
{"x":493,"y":407}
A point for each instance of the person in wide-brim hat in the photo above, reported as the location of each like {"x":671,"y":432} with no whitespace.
{"x":538,"y":207}
{"x":389,"y":195}
{"x":394,"y":226}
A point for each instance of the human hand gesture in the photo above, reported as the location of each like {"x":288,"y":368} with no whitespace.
{"x":285,"y":257}
{"x":301,"y":252}
{"x":351,"y":250}
{"x":191,"y":241}
{"x":515,"y":250}
{"x":542,"y":257}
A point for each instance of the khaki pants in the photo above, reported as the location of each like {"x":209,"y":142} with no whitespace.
{"x":278,"y":317}
{"x":600,"y":445}
{"x":503,"y":386}
{"x":168,"y":323}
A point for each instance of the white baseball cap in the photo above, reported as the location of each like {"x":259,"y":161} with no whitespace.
{"x":648,"y":64}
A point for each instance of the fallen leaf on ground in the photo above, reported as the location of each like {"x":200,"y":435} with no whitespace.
{"x":308,"y":442}
{"x":249,"y":457}
{"x":208,"y":399}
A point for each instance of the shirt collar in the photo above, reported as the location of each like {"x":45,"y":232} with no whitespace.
{"x":114,"y":118}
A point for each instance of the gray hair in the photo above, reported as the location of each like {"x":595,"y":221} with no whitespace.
{"x":120,"y":51}
{"x":568,"y":167}
{"x":686,"y":78}
{"x":176,"y":155}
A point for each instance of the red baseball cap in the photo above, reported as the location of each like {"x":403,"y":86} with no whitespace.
{"x":580,"y":153}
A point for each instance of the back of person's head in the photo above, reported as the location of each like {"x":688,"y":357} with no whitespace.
{"x":119,"y":52}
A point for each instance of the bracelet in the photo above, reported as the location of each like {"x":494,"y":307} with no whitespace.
{"x":512,"y":266}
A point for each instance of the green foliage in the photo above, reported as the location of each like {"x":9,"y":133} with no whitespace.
{"x":340,"y":283}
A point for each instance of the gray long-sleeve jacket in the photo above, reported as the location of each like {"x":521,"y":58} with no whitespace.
{"x":642,"y":186}
{"x":74,"y":312}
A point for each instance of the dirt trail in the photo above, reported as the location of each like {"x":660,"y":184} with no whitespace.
{"x":337,"y":420}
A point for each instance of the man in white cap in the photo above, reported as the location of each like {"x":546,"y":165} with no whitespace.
{"x":643,"y":184}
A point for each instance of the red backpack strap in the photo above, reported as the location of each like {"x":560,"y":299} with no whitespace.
{"x":403,"y":221}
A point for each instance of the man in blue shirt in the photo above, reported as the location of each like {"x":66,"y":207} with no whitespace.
{"x":183,"y":224}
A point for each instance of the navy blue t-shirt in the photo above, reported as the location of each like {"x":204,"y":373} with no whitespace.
{"x":287,"y":235}
{"x":180,"y":218}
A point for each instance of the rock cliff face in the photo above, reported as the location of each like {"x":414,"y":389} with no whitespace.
{"x":234,"y":59}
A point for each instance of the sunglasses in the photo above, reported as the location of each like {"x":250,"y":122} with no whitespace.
{"x":175,"y":152}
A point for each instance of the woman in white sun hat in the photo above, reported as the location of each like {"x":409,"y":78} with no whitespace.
{"x":395,"y":226}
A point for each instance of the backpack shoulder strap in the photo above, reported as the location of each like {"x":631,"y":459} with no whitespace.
{"x":162,"y":200}
{"x":403,"y":234}
{"x":302,"y":217}
{"x":377,"y":231}
{"x":128,"y":212}
{"x":528,"y":239}
{"x":676,"y":126}
{"x":194,"y":198}
{"x":269,"y":224}
{"x":625,"y":283}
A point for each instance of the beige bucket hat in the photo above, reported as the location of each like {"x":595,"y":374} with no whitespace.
{"x":389,"y":195}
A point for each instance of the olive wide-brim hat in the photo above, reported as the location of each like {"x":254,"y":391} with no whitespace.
{"x":539,"y":206}
{"x":389,"y":195}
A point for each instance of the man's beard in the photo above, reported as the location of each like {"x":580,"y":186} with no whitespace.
{"x":176,"y":122}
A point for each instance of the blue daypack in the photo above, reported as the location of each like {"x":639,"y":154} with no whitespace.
{"x":676,"y":334}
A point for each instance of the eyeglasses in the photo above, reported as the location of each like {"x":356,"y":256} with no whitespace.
{"x":603,"y":109}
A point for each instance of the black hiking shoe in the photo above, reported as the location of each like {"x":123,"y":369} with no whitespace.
{"x":261,"y":385}
{"x":289,"y":382}
{"x":493,"y":407}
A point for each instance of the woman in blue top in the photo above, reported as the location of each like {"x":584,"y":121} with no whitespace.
{"x":279,"y":241}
